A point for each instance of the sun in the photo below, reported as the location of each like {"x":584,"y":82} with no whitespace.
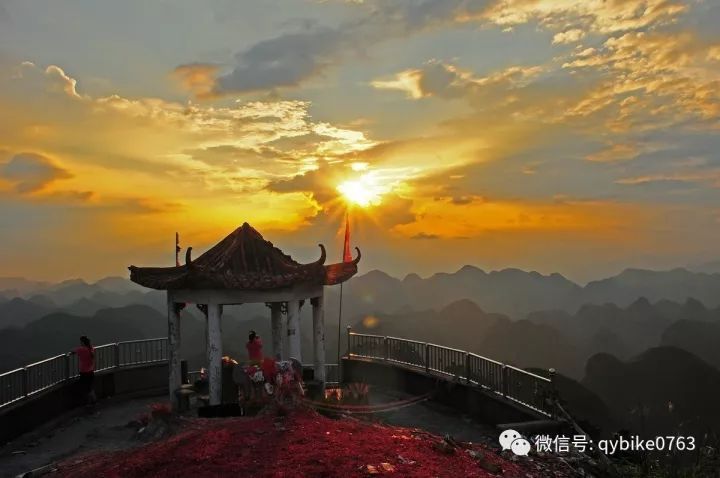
{"x":364,"y":191}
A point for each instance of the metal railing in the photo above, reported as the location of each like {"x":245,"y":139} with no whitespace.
{"x":24,"y":382}
{"x":520,"y":386}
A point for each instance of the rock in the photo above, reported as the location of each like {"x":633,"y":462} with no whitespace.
{"x":387,"y":467}
{"x":444,"y":447}
{"x":491,"y":467}
{"x":475,"y":454}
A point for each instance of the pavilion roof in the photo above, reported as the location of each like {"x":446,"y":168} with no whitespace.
{"x":244,"y":260}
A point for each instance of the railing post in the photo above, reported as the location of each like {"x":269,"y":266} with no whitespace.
{"x":25,"y":386}
{"x":427,"y":358}
{"x":386,"y":344}
{"x":116,"y":353}
{"x":504,"y":381}
{"x":67,"y":366}
{"x":349,"y":330}
{"x":553,"y":394}
{"x":467,"y":367}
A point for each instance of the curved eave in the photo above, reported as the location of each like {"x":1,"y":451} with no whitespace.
{"x":341,"y":271}
{"x":174,"y":278}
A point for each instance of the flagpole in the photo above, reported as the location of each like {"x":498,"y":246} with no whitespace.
{"x":340,"y":335}
{"x":346,"y":249}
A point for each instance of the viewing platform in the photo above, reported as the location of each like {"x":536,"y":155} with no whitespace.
{"x":493,"y":391}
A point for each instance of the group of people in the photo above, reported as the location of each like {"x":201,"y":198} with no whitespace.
{"x":86,"y":363}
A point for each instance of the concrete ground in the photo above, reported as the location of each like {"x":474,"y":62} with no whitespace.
{"x":77,"y":432}
{"x":435,"y":418}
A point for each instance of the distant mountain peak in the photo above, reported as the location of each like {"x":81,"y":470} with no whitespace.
{"x":462,"y":306}
{"x":470,"y":269}
{"x":412,"y":277}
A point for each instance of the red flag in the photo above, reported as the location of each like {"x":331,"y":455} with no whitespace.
{"x":347,"y":257}
{"x":177,"y":249}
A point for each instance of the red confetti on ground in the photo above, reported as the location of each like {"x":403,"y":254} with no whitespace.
{"x":301,"y":444}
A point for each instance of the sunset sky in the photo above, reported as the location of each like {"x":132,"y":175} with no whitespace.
{"x":552,"y":135}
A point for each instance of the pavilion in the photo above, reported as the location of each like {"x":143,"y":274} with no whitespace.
{"x":245,"y":268}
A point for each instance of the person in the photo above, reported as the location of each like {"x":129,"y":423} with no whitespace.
{"x":86,"y":366}
{"x":254,"y":348}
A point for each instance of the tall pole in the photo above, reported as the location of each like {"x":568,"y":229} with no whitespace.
{"x":346,"y":258}
{"x":339,"y":334}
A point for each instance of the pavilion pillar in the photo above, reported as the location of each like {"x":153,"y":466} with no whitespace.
{"x":318,"y":314}
{"x":293,"y":330}
{"x":276,"y":322}
{"x":175,"y":375}
{"x":214,"y":348}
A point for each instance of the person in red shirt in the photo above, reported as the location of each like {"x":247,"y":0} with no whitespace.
{"x":254,"y":348}
{"x":86,"y":367}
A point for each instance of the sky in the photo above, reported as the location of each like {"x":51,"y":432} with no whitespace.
{"x":578,"y":137}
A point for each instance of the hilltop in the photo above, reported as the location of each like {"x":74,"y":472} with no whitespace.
{"x":304,"y":443}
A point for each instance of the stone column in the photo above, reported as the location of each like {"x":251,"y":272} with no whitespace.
{"x":215,"y":353}
{"x":276,"y":321}
{"x":174,"y":380}
{"x":318,"y":314}
{"x":293,"y":330}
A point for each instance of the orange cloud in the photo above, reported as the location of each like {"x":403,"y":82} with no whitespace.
{"x":198,"y":78}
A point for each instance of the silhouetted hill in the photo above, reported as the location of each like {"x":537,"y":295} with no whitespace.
{"x":20,"y":312}
{"x":447,"y":326}
{"x":119,"y":285}
{"x":17,"y":286}
{"x":711,"y":267}
{"x":59,"y":332}
{"x":526,"y":344}
{"x":84,"y":307}
{"x":509,"y":291}
{"x":699,"y":338}
{"x":623,"y":331}
{"x":662,"y":391}
{"x":676,"y":284}
{"x":516,"y":293}
{"x":464,"y":325}
{"x":585,"y":406}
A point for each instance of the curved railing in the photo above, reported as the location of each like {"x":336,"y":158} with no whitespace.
{"x":515,"y":384}
{"x":22,"y":383}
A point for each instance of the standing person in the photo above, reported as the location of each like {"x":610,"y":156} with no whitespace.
{"x":254,"y":348}
{"x":86,"y":367}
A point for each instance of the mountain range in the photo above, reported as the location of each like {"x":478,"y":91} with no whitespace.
{"x":614,"y":342}
{"x":516,"y":293}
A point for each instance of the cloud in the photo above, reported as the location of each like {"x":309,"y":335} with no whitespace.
{"x":445,"y":80}
{"x":293,"y":58}
{"x":601,"y":16}
{"x":568,"y":36}
{"x":616,"y":152}
{"x":425,"y":236}
{"x":31,"y":172}
{"x":198,"y":78}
